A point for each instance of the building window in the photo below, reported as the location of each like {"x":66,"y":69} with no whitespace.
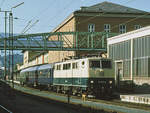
{"x":122,"y":28}
{"x":107,"y":27}
{"x":137,"y":27}
{"x":91,"y":27}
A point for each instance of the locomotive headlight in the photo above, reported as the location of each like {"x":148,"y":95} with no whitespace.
{"x":110,"y":82}
{"x":101,"y":70}
{"x":92,"y":81}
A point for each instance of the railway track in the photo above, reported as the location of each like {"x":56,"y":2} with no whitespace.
{"x":4,"y":110}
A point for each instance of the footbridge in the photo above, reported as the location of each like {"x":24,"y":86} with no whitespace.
{"x":57,"y":41}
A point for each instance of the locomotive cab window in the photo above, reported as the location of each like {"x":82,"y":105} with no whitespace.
{"x":106,"y":64}
{"x":94,"y":64}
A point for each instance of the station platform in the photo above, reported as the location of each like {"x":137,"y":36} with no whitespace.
{"x":78,"y":101}
{"x":96,"y":104}
{"x":136,"y":98}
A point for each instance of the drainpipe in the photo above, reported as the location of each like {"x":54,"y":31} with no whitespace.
{"x":131,"y":59}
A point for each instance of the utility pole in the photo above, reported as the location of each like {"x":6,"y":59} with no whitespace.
{"x":11,"y":39}
{"x":5,"y":44}
{"x":11,"y":35}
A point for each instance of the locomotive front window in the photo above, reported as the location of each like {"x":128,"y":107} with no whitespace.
{"x":106,"y":64}
{"x":94,"y":64}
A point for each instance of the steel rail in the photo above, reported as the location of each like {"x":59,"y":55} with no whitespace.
{"x":5,"y":109}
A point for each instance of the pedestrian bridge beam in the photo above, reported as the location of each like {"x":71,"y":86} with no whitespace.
{"x":58,"y":41}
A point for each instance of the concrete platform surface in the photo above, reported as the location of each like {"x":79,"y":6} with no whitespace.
{"x":97,"y":105}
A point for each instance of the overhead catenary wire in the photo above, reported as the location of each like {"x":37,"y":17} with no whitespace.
{"x":39,"y":14}
{"x":25,"y":29}
{"x":30,"y":26}
{"x":60,"y":11}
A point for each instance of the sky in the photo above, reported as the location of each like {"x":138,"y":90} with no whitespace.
{"x":48,"y":14}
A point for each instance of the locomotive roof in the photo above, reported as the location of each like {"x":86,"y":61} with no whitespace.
{"x":92,"y":58}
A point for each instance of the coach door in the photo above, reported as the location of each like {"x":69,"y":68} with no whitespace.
{"x":118,"y":72}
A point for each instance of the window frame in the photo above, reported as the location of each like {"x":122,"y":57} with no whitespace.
{"x":91,"y":27}
{"x":107,"y":28}
{"x":122,"y":28}
{"x":137,"y":26}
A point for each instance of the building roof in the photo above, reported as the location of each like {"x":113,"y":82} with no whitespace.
{"x":106,"y":7}
{"x":145,"y":31}
{"x":111,"y":8}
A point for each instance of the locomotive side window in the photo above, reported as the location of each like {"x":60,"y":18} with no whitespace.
{"x":106,"y":64}
{"x":55,"y":67}
{"x":66,"y":66}
{"x":74,"y":65}
{"x":58,"y":67}
{"x":94,"y":64}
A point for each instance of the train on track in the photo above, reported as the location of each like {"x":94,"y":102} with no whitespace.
{"x":92,"y":76}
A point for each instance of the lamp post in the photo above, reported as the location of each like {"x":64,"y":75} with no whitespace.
{"x":5,"y":40}
{"x":11,"y":35}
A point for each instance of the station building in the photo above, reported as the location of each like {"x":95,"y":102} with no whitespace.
{"x":131,"y":55}
{"x":102,"y":17}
